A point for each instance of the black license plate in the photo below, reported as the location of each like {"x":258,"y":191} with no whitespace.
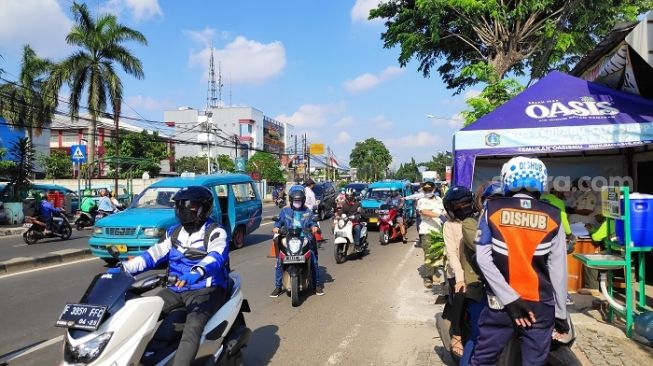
{"x":294,"y":259}
{"x":81,"y":316}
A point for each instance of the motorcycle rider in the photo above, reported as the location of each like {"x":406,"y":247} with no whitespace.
{"x":430,"y":208}
{"x":520,"y":249}
{"x":202,"y":283}
{"x":47,"y":212}
{"x":88,"y":206}
{"x":395,"y":200}
{"x":297,"y":214}
{"x":350,"y":207}
{"x":105,"y":205}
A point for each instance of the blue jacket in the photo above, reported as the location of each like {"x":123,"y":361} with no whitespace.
{"x":213,"y":265}
{"x":295,"y":218}
{"x":47,"y":210}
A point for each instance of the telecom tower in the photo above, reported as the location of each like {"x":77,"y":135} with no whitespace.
{"x":212,"y":92}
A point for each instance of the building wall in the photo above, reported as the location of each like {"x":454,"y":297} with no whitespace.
{"x":185,"y":127}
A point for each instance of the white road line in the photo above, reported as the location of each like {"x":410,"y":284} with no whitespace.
{"x":267,"y":223}
{"x":336,"y":357}
{"x":13,"y":356}
{"x":19,"y":245}
{"x":48,"y":267}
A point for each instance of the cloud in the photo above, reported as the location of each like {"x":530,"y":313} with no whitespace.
{"x":360,"y":12}
{"x":342,"y":137}
{"x":246,"y":61}
{"x":382,"y":122}
{"x":369,"y":81}
{"x":344,"y":122}
{"x":141,"y":9}
{"x":472,"y":93}
{"x":420,"y":139}
{"x":40,"y":23}
{"x":313,"y":115}
{"x":457,"y":121}
{"x":147,"y":103}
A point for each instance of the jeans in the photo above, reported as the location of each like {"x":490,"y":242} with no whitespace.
{"x":316,"y":271}
{"x":357,"y":234}
{"x":474,"y":309}
{"x":201,"y":305}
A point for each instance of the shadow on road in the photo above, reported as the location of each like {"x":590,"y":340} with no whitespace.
{"x":262,"y":345}
{"x":255,"y":239}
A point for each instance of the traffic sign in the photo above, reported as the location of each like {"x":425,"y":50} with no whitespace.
{"x":241,"y":164}
{"x":78,"y":153}
{"x":316,"y":149}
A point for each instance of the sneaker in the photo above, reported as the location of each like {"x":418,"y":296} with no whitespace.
{"x":404,"y":240}
{"x":319,"y":290}
{"x":277,"y":291}
{"x":570,"y":301}
{"x":428,"y":283}
{"x":418,"y":244}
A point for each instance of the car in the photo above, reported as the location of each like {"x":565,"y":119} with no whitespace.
{"x":378,"y":193}
{"x":236,"y":206}
{"x":359,"y":188}
{"x":325,"y":196}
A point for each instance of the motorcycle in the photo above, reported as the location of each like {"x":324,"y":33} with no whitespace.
{"x":344,"y":238}
{"x":295,"y":259}
{"x":280,"y":202}
{"x":36,"y":229}
{"x":84,"y":219}
{"x":560,"y":353}
{"x":117,"y":323}
{"x":389,"y":229}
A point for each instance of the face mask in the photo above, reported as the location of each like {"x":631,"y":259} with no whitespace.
{"x":297,"y":205}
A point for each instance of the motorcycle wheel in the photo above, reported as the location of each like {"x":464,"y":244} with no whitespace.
{"x":338,"y":253}
{"x":79,"y":226}
{"x":384,"y":237}
{"x":562,"y":356}
{"x":66,"y":232}
{"x":29,"y":237}
{"x":294,"y":291}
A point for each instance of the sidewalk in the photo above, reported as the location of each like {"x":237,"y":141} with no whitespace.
{"x":8,"y":230}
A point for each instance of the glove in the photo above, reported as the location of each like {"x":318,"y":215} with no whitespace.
{"x":114,"y":270}
{"x":520,"y":312}
{"x":561,"y":326}
{"x":189,"y":279}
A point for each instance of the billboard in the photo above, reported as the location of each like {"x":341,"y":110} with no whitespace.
{"x":273,"y":136}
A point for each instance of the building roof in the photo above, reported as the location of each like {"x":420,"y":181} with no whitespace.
{"x":607,"y":44}
{"x":60,"y":122}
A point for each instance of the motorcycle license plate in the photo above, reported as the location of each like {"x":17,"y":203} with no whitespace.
{"x":81,"y":316}
{"x":294,"y":259}
{"x":373,"y":220}
{"x":121,"y":248}
{"x":27,"y":225}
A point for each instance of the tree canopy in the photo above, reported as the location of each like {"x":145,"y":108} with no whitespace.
{"x":439,"y":162}
{"x":140,"y":152}
{"x":371,"y":159}
{"x":197,"y":164}
{"x":510,"y":36}
{"x":409,"y":171}
{"x":268,"y":165}
{"x":57,"y":164}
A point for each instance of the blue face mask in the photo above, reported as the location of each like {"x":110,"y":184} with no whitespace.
{"x":297,"y":205}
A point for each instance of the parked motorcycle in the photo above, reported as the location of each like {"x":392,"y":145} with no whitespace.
{"x":36,"y":229}
{"x":117,"y":323}
{"x":295,"y":258}
{"x":389,"y":229}
{"x":84,"y":219}
{"x":343,"y":244}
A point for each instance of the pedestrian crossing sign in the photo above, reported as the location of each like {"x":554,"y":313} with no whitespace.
{"x":78,"y":153}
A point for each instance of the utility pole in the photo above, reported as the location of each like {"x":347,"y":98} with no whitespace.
{"x":116,"y":119}
{"x":296,"y":156}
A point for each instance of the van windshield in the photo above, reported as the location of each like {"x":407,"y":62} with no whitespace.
{"x":159,"y":197}
{"x":378,"y":193}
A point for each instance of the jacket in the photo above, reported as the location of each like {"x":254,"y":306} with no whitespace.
{"x":296,"y":218}
{"x":468,"y":259}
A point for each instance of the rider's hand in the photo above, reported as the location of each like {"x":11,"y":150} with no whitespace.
{"x":275,"y":230}
{"x":521,"y":313}
{"x":114,"y":270}
{"x":459,"y":287}
{"x":314,"y":229}
{"x":189,"y":279}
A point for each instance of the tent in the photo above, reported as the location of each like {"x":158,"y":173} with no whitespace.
{"x":577,"y":127}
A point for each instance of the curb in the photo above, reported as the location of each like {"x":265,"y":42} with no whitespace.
{"x":25,"y":263}
{"x":12,"y":231}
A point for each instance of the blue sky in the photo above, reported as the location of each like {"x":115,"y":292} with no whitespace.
{"x":318,"y":64}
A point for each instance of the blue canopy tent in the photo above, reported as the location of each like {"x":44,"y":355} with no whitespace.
{"x":577,"y":127}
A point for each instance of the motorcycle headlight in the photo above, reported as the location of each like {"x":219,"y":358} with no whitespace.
{"x":87,"y":352}
{"x":154,"y":231}
{"x":294,"y":245}
{"x":341,"y":224}
{"x":97,"y":230}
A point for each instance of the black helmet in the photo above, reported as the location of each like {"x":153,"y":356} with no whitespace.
{"x":193,"y":205}
{"x":459,"y":202}
{"x":297,"y":195}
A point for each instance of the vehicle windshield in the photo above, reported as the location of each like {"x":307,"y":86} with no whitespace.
{"x":378,"y":193}
{"x":159,"y":197}
{"x":356,"y":187}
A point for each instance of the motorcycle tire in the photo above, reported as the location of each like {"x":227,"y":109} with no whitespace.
{"x":384,"y":237}
{"x":29,"y":237}
{"x":562,"y":355}
{"x":66,"y":232}
{"x":294,"y":291}
{"x":338,"y":253}
{"x":79,"y":226}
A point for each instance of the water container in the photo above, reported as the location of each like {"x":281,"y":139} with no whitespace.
{"x":641,"y":221}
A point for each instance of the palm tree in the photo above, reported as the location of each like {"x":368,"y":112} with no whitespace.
{"x":22,"y":104}
{"x":91,"y":68}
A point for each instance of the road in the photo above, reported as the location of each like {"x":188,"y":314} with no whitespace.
{"x":375,"y":310}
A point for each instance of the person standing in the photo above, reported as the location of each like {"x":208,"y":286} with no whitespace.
{"x":311,"y":202}
{"x":430,"y":208}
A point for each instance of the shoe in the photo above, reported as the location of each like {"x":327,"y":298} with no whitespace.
{"x":277,"y":291}
{"x":569,"y":300}
{"x":404,"y":240}
{"x":428,"y":283}
{"x":418,"y":244}
{"x":319,"y":290}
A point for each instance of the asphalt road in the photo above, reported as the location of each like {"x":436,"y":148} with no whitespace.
{"x":375,"y":310}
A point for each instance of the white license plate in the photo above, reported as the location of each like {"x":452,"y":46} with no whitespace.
{"x":27,"y":225}
{"x":294,"y":259}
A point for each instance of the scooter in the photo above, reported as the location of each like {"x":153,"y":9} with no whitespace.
{"x":343,"y":244}
{"x":84,"y":219}
{"x":389,"y":229}
{"x":36,"y":229}
{"x":280,"y":202}
{"x":117,"y":323}
{"x":295,"y":259}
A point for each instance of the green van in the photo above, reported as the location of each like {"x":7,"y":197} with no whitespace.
{"x":236,"y":206}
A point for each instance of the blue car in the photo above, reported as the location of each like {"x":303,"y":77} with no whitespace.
{"x":236,"y":206}
{"x":378,"y":192}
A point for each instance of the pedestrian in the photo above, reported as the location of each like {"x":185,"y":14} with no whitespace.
{"x":311,"y":202}
{"x":418,"y":218}
{"x":520,"y":249}
{"x":431,"y":209}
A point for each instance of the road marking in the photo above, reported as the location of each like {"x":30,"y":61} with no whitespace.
{"x":48,"y":267}
{"x":267,"y":223}
{"x":19,"y":245}
{"x":336,"y":357}
{"x":20,"y":353}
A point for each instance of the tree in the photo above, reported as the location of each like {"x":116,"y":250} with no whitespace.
{"x":192,"y":164}
{"x":226,"y":163}
{"x":268,"y":165}
{"x":22,"y":153}
{"x":91,"y":68}
{"x":139,"y":152}
{"x":371,"y":158}
{"x":509,"y":36}
{"x":6,"y":166}
{"x":57,"y":164}
{"x":22,"y":104}
{"x":496,"y":92}
{"x":409,"y":171}
{"x":439,"y":162}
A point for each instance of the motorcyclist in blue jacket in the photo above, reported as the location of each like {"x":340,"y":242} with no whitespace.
{"x":292,"y":216}
{"x":47,"y":212}
{"x":202,"y":282}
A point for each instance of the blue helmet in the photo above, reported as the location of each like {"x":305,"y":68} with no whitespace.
{"x":492,"y":189}
{"x":523,"y":173}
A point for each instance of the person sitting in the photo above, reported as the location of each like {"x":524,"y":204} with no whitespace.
{"x":47,"y":213}
{"x":88,"y":206}
{"x":105,"y":205}
{"x":351,"y":207}
{"x":395,"y":200}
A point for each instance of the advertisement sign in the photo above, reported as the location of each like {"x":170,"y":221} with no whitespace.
{"x":610,"y":205}
{"x":317,"y":149}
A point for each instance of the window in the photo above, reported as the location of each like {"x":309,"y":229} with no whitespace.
{"x":54,"y":138}
{"x":70,"y":137}
{"x":221,"y":191}
{"x":244,"y":192}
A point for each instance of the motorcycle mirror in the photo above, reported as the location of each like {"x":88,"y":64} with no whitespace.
{"x":194,"y":253}
{"x":113,"y":251}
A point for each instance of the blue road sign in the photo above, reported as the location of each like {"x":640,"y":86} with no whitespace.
{"x":78,"y":153}
{"x":241,"y":164}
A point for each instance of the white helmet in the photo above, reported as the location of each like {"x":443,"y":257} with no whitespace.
{"x":350,"y":193}
{"x":524,"y":173}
